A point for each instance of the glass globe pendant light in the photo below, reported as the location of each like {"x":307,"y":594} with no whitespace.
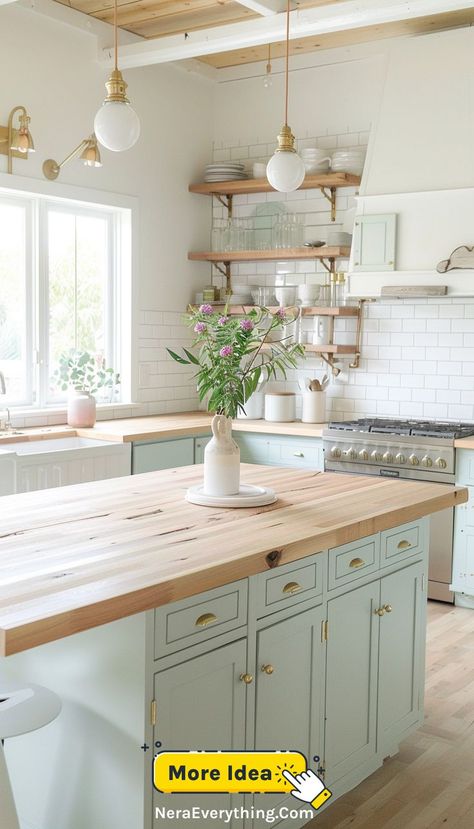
{"x":285,"y":170}
{"x":116,"y":124}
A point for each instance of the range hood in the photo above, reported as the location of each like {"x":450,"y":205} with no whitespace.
{"x":420,"y":160}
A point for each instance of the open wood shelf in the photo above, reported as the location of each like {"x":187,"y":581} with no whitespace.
{"x":307,"y":311}
{"x":276,"y":254}
{"x":261,"y":185}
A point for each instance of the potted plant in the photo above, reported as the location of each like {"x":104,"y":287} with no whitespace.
{"x":233,"y":355}
{"x":83,"y":375}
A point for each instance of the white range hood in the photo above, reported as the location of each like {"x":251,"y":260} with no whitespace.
{"x":420,"y":161}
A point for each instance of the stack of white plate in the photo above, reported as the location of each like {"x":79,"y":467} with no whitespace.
{"x":315,"y":160}
{"x":225,"y":171}
{"x":348,"y":161}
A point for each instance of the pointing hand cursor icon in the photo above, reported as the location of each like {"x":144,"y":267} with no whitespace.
{"x":308,"y":787}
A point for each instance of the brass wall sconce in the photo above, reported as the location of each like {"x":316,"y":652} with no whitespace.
{"x":88,"y":152}
{"x":16,"y":143}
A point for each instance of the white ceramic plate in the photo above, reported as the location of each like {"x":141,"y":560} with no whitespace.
{"x":249,"y":496}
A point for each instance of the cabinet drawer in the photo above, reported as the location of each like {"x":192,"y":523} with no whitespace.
{"x":193,"y":620}
{"x":352,"y":561}
{"x":289,"y":585}
{"x":295,"y":454}
{"x":164,"y":454}
{"x":401,"y":543}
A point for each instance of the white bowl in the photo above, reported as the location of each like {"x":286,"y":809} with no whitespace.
{"x":286,"y":294}
{"x":316,"y":167}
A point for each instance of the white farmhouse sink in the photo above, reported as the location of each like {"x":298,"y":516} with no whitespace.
{"x":35,"y":447}
{"x":26,"y":466}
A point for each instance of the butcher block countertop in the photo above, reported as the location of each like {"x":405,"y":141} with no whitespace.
{"x":80,"y":556}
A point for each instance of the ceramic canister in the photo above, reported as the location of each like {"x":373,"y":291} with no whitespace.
{"x":280,"y":406}
{"x":314,"y":407}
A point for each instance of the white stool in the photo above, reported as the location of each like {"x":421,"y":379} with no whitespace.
{"x":23,"y":708}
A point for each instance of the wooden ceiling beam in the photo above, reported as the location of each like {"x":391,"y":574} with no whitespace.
{"x":307,"y":22}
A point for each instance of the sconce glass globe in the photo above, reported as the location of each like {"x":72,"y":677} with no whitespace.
{"x":285,"y":171}
{"x":117,"y":126}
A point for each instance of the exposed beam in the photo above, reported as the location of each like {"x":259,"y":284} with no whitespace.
{"x":264,"y":7}
{"x":7,"y":2}
{"x":78,"y":20}
{"x":351,"y":14}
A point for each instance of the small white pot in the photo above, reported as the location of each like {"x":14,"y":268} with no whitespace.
{"x":314,"y":407}
{"x":253,"y":407}
{"x":81,"y":409}
{"x":280,"y":407}
{"x":221,"y":460}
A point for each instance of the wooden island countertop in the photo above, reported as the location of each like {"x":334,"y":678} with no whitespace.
{"x":81,"y":556}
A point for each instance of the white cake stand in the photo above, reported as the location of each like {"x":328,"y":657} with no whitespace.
{"x":248,"y":496}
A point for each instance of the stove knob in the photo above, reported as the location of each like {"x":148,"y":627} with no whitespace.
{"x":376,"y":456}
{"x":350,"y":453}
{"x":426,"y":461}
{"x":388,"y":457}
{"x":414,"y":460}
{"x":335,"y":452}
{"x":364,"y":455}
{"x":400,"y":458}
{"x":441,"y":463}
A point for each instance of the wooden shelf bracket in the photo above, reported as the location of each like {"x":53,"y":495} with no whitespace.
{"x":329,"y":193}
{"x":329,"y":264}
{"x":226,"y":200}
{"x":224,"y":269}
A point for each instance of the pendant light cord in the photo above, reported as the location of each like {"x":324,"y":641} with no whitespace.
{"x":115,"y":35}
{"x":287,"y":58}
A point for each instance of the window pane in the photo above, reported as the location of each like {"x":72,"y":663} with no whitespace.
{"x":13,"y":303}
{"x":78,"y":272}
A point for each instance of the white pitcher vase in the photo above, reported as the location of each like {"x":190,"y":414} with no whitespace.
{"x":221,"y":460}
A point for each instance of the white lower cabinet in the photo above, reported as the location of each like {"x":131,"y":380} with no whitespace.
{"x":334,"y":668}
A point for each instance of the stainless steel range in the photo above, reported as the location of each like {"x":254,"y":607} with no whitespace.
{"x":412,"y":449}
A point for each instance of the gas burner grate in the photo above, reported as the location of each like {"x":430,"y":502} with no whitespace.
{"x":416,"y":428}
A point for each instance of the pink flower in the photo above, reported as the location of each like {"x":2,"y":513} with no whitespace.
{"x":200,"y":327}
{"x":206,"y":309}
{"x":226,"y":351}
{"x":281,"y":313}
{"x":222,"y":320}
{"x":246,"y":325}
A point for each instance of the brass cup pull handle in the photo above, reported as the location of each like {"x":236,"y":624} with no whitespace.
{"x":388,"y":608}
{"x":205,"y":619}
{"x":380,"y":611}
{"x":357,"y":562}
{"x":291,"y":587}
{"x":247,"y":678}
{"x":403,"y":545}
{"x":268,"y":669}
{"x":298,"y":454}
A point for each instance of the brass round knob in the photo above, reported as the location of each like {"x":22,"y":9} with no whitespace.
{"x":441,"y":463}
{"x":268,"y":669}
{"x":351,"y":454}
{"x":247,"y":678}
{"x":400,"y":458}
{"x":388,"y":457}
{"x":364,"y":455}
{"x":376,"y":456}
{"x":427,"y":462}
{"x":380,"y":611}
{"x":414,"y":460}
{"x":388,"y":608}
{"x":335,"y":452}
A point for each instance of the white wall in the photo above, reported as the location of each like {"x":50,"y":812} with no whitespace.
{"x":52,"y":69}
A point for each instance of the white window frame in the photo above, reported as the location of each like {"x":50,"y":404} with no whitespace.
{"x":122,"y":211}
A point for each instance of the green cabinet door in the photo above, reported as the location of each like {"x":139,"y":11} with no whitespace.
{"x":199,"y":447}
{"x":201,"y":705}
{"x":401,"y":655}
{"x":351,"y":681}
{"x":289,"y":697}
{"x":162,"y":454}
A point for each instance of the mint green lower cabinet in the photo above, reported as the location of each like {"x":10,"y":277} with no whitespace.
{"x":401,"y":655}
{"x":289,"y":701}
{"x":162,"y":454}
{"x":201,"y":705}
{"x":280,"y":450}
{"x":351,"y":681}
{"x":199,"y":447}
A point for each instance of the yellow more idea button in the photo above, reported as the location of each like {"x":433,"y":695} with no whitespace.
{"x":226,"y":771}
